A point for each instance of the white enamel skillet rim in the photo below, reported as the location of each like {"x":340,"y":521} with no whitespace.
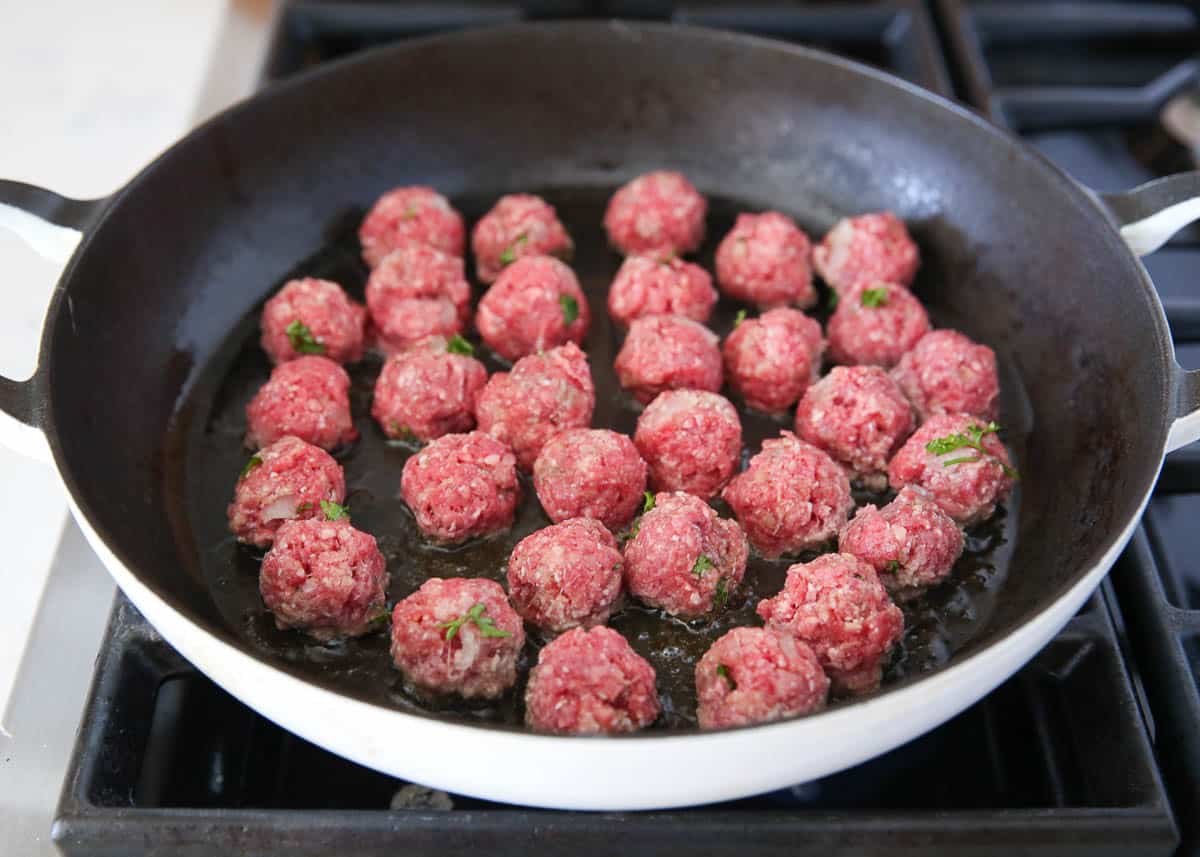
{"x":632,"y":772}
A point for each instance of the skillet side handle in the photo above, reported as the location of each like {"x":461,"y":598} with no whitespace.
{"x":52,"y":226}
{"x":1149,"y":215}
{"x":1186,"y":428}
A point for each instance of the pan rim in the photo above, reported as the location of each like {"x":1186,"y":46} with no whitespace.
{"x":1083,"y":198}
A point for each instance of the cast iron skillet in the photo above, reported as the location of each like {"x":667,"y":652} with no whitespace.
{"x":144,"y":364}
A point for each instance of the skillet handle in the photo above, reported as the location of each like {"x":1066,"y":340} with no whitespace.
{"x":51,"y":225}
{"x":1147,"y":217}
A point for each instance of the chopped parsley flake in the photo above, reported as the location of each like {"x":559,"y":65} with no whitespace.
{"x":410,"y":213}
{"x":476,"y":617}
{"x":382,"y":616}
{"x":400,"y":435}
{"x":722,"y":594}
{"x":702,"y":565}
{"x":570,"y":308}
{"x":893,"y":566}
{"x":334,"y":511}
{"x":723,"y":672}
{"x":509,"y":254}
{"x":457,"y":345}
{"x":302,"y":339}
{"x":972,"y":438}
{"x":739,"y":318}
{"x":873,"y":298}
{"x":647,"y":502}
{"x":303,"y":507}
{"x":255,"y":461}
{"x":833,"y":300}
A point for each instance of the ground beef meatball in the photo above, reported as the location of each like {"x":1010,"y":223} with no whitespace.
{"x":658,"y":285}
{"x":771,"y":360}
{"x":428,"y":390}
{"x":790,"y":498}
{"x":308,"y":397}
{"x":764,"y":260}
{"x":756,"y":675}
{"x":414,"y":292}
{"x":949,"y":373}
{"x":458,"y":636}
{"x":875,"y":324}
{"x":668,"y":352}
{"x":692,"y":440}
{"x":313,"y":317}
{"x":590,"y":473}
{"x":461,"y":486}
{"x":589,"y":683}
{"x":411,"y":215}
{"x":566,"y":575}
{"x":837,"y":605}
{"x":966,"y":473}
{"x":866,"y":249}
{"x":542,"y":395}
{"x":518,"y":225}
{"x":535,"y":304}
{"x":910,"y":542}
{"x":285,"y":480}
{"x":683,"y":558}
{"x":656,"y":212}
{"x":325,"y":578}
{"x":857,"y":415}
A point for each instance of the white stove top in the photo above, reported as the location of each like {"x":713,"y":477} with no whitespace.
{"x":92,"y":92}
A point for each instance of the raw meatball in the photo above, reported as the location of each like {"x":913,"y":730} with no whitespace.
{"x":590,"y":473}
{"x":684,"y":558}
{"x":461,"y":486}
{"x":542,"y":395}
{"x":287,"y":479}
{"x":458,"y":636}
{"x":428,"y":391}
{"x":771,"y":360}
{"x":792,"y":497}
{"x":313,"y":317}
{"x":415,"y":292}
{"x":518,"y":225}
{"x":692,"y":440}
{"x":566,"y":575}
{"x":755,"y":675}
{"x":588,"y":683}
{"x":764,"y":260}
{"x":875,"y":323}
{"x":325,"y":578}
{"x":837,"y":605}
{"x":409,"y":215}
{"x":948,"y":373}
{"x":967,"y":482}
{"x":535,"y":304}
{"x":910,"y":542}
{"x":857,"y":415}
{"x":865,"y":249}
{"x":668,"y":352}
{"x":656,"y":212}
{"x":308,"y":397}
{"x":657,"y":285}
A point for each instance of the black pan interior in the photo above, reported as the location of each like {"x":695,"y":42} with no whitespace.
{"x":1015,"y":256}
{"x":208,"y":429}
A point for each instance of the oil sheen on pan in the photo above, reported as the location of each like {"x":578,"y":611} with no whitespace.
{"x":205,"y":455}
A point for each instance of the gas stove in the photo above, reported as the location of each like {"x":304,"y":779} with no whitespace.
{"x":1093,"y":748}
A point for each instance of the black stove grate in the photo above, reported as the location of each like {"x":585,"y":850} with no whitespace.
{"x":1057,"y":761}
{"x":165,"y":756}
